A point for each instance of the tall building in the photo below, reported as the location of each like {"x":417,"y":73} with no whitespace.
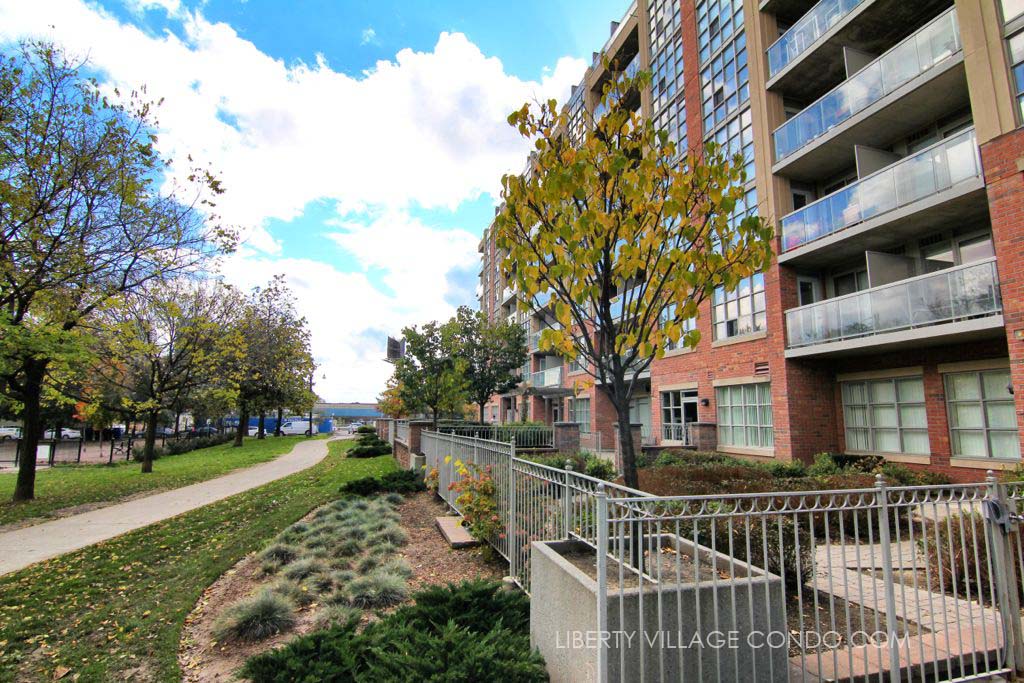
{"x":883,"y":140}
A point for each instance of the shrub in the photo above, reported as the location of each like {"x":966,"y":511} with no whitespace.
{"x":400,"y":481}
{"x":366,"y":429}
{"x":379,"y":589}
{"x":476,"y":500}
{"x":824,"y":465}
{"x":261,"y":616}
{"x":470,"y":632}
{"x":599,"y":468}
{"x":960,"y":557}
{"x":369,"y":445}
{"x":179,"y":446}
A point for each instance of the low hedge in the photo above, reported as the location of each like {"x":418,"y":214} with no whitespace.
{"x":401,"y":481}
{"x":369,"y":445}
{"x":179,"y":446}
{"x":473,"y":631}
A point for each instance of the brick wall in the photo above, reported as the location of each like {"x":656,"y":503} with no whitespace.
{"x":1002,"y":159}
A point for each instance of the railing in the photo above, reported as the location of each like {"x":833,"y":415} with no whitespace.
{"x":535,"y":338}
{"x":402,"y":431}
{"x":633,"y":68}
{"x":914,"y":56}
{"x":523,"y":436}
{"x":676,"y":433}
{"x":806,"y":30}
{"x":926,"y":173}
{"x":552,"y":377}
{"x":507,"y":293}
{"x":966,"y":291}
{"x":534,"y":502}
{"x":872,"y":584}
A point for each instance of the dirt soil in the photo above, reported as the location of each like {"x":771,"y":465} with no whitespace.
{"x":432,"y":561}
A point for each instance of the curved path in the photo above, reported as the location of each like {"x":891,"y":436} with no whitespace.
{"x":22,"y":547}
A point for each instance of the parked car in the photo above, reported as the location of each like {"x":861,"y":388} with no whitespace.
{"x":208,"y":430}
{"x":354,"y":426}
{"x":65,"y":433}
{"x":293,"y":427}
{"x":165,"y":431}
{"x":10,"y":433}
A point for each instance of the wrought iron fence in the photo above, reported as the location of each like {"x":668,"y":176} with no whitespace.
{"x":871,"y":584}
{"x":524,"y":436}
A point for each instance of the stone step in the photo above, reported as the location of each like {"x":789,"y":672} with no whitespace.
{"x":454,"y":533}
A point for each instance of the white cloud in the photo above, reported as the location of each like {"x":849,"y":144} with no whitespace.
{"x":368,"y":36}
{"x":424,"y":129}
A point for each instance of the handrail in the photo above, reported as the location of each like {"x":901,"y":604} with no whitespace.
{"x":817,"y":12}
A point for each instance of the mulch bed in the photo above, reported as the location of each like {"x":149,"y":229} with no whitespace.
{"x":432,"y":561}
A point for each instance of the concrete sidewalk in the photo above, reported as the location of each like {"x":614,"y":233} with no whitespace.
{"x":23,"y":547}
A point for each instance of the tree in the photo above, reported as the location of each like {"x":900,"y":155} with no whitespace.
{"x":427,"y":375}
{"x":389,"y":402}
{"x":278,"y":364}
{"x":489,"y":354}
{"x":168,"y":341}
{"x":88,"y":214}
{"x":627,"y":236}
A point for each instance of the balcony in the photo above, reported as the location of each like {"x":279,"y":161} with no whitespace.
{"x":806,"y":31}
{"x":508,"y":294}
{"x":677,"y":433}
{"x":957,"y":303}
{"x":552,"y":377}
{"x":534,"y":344}
{"x":942,"y":182}
{"x":907,"y":87}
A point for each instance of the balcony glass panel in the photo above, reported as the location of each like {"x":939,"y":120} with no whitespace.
{"x":552,"y":377}
{"x":967,"y":291}
{"x":808,"y":29}
{"x":916,"y":177}
{"x":914,"y":56}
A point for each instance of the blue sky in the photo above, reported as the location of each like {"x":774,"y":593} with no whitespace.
{"x":361,"y":143}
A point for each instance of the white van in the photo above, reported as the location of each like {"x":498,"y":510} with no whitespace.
{"x":292,"y":427}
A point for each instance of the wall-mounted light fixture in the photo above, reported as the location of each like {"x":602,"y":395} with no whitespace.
{"x":705,"y":402}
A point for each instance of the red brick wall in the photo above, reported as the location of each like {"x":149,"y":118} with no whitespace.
{"x":1000,"y":159}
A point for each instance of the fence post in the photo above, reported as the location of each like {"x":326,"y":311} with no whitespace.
{"x":882,"y":499}
{"x":1000,"y":518}
{"x":79,"y":458}
{"x":513,"y":547}
{"x":567,"y":500}
{"x":602,"y":584}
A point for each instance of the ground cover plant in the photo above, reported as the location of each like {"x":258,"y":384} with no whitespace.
{"x":117,"y":608}
{"x":343,"y":557}
{"x":473,"y":631}
{"x":66,"y":486}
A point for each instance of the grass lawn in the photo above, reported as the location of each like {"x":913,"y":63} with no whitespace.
{"x":69,"y":485}
{"x":118,"y":607}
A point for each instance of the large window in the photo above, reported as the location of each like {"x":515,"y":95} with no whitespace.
{"x":667,"y":95}
{"x":1017,"y":65}
{"x":745,"y":415}
{"x":579,"y":412}
{"x":741,"y":311}
{"x":982,"y":418}
{"x":1012,"y":9}
{"x":886,"y":416}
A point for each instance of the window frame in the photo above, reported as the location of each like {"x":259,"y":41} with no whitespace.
{"x":760,"y":429}
{"x":897,"y":404}
{"x":983,"y":402}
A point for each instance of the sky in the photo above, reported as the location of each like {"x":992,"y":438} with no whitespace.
{"x":361,"y":143}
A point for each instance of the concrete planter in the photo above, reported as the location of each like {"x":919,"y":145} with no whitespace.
{"x":682,"y":645}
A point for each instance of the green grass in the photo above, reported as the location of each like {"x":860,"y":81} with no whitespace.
{"x":69,"y":485}
{"x":119,"y":606}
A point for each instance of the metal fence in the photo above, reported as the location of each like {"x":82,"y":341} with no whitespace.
{"x":48,"y":451}
{"x":873,"y":584}
{"x":524,"y":436}
{"x":402,"y":431}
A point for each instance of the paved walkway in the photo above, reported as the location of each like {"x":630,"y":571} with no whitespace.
{"x":23,"y":547}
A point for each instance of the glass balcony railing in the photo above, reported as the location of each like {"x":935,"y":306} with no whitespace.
{"x":507,"y":293}
{"x":552,"y":377}
{"x":633,"y":68}
{"x":912,"y":57}
{"x":928,"y":172}
{"x":966,"y":291}
{"x":806,"y":30}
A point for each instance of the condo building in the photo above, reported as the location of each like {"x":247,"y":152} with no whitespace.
{"x":883,"y":140}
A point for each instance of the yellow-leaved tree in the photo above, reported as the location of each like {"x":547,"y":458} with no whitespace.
{"x":622,"y":236}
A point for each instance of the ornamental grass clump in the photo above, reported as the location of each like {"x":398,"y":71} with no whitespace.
{"x":304,"y":568}
{"x":377,"y":590}
{"x":256,"y":618}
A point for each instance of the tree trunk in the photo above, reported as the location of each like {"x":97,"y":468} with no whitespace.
{"x":481,"y":412}
{"x":31,"y":429}
{"x":277,"y":427}
{"x":177,"y":422}
{"x":433,"y":412}
{"x":263,"y":422}
{"x":243,"y":424}
{"x":147,"y":449}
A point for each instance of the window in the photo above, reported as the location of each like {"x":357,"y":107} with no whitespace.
{"x":741,"y":311}
{"x":1016,"y":45}
{"x":1012,"y":9}
{"x":577,"y":365}
{"x":886,"y":416}
{"x":579,"y":412}
{"x":678,"y":409}
{"x":982,"y":418}
{"x":667,"y":98}
{"x":688,"y":325}
{"x":745,"y":415}
{"x":848,"y":283}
